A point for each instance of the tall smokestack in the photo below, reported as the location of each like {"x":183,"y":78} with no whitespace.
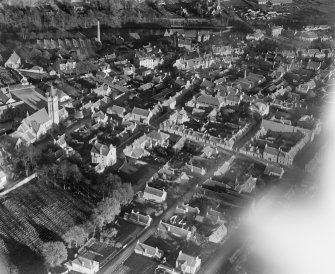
{"x":99,"y":37}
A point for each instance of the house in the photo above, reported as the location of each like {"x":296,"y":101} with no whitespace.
{"x":66,"y":65}
{"x":141,"y":115}
{"x":83,"y":265}
{"x":134,"y":35}
{"x":99,"y":118}
{"x":146,"y":86}
{"x":233,"y":99}
{"x":247,"y":186}
{"x":270,"y":153}
{"x":3,"y":179}
{"x":210,"y":101}
{"x":179,"y":117}
{"x":61,"y":142}
{"x":185,"y":43}
{"x":312,"y":65}
{"x":188,"y":264}
{"x":14,"y":61}
{"x":135,"y":152}
{"x":154,"y":194}
{"x":159,"y":138}
{"x":138,"y":218}
{"x":175,"y":230}
{"x":218,"y":234}
{"x":103,"y":155}
{"x":273,"y":170}
{"x":308,"y":36}
{"x":116,"y":110}
{"x":276,"y":31}
{"x":146,"y":61}
{"x":186,"y":209}
{"x":203,"y":36}
{"x":148,"y":251}
{"x":103,"y":90}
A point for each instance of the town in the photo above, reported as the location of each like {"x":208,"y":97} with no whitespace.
{"x":135,"y":150}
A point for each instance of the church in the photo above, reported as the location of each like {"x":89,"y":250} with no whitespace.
{"x":33,"y":127}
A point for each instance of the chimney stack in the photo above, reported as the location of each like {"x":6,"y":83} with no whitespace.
{"x":99,"y":37}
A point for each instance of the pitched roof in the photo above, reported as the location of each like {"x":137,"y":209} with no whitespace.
{"x":141,"y":247}
{"x":14,"y":58}
{"x":181,"y":232}
{"x":139,"y":218}
{"x":189,"y":260}
{"x":37,"y":119}
{"x":271,"y":150}
{"x":140,"y":112}
{"x":158,"y":135}
{"x":154,"y":191}
{"x":117,"y":110}
{"x":82,"y":261}
{"x":208,"y":100}
{"x":101,"y":149}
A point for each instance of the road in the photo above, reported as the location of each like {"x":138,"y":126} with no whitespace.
{"x":126,"y":252}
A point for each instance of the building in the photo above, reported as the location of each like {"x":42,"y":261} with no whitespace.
{"x":158,"y":138}
{"x":116,"y":110}
{"x":83,"y":265}
{"x":53,"y":108}
{"x":210,"y":101}
{"x":154,"y":194}
{"x":146,"y":61}
{"x":185,"y":43}
{"x":276,"y":31}
{"x":138,"y":218}
{"x":3,"y":179}
{"x":188,"y":264}
{"x":141,"y":115}
{"x":148,"y":251}
{"x":33,"y":127}
{"x":14,"y":61}
{"x":66,"y":65}
{"x":218,"y":234}
{"x":270,"y":153}
{"x":103,"y":155}
{"x":308,"y":36}
{"x":175,"y":230}
{"x":103,"y":90}
{"x":273,"y":170}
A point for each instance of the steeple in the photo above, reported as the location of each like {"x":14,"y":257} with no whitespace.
{"x":53,"y":109}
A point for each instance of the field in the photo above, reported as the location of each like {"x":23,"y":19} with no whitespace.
{"x":36,"y":213}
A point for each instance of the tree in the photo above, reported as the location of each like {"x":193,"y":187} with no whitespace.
{"x":106,"y":211}
{"x":74,"y":173}
{"x":75,"y":234}
{"x":114,"y":180}
{"x":54,"y":253}
{"x":63,"y":170}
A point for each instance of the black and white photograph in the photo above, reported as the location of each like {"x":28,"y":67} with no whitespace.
{"x":167,"y":136}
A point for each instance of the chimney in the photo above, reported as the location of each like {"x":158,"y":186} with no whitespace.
{"x":98,"y":29}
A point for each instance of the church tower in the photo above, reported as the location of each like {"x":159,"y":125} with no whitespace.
{"x":53,"y":109}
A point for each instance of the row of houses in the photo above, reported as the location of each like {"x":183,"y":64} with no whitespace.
{"x":195,"y":135}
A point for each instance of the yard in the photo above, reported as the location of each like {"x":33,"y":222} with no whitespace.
{"x":127,"y":231}
{"x":140,"y":264}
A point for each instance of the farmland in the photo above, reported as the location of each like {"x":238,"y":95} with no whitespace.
{"x":34,"y":214}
